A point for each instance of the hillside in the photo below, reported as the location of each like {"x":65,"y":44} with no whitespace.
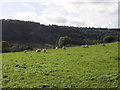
{"x":39,"y":35}
{"x":75,"y":67}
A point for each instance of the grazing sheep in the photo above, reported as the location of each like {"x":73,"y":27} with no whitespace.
{"x":103,"y":45}
{"x":56,"y":48}
{"x":85,"y":46}
{"x":38,"y":50}
{"x":63,"y":47}
{"x":44,"y":50}
{"x":25,"y":51}
{"x":116,"y":42}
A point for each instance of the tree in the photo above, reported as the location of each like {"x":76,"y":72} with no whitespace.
{"x":63,"y":41}
{"x":108,"y":39}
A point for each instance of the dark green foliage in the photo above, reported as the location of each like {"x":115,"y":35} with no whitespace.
{"x":108,"y":39}
{"x":37,"y":35}
{"x":17,"y":48}
{"x":10,"y":47}
{"x":63,"y":41}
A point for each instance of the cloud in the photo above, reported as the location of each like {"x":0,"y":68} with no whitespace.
{"x":17,"y":0}
{"x":56,"y":19}
{"x":93,"y":13}
{"x":26,"y":5}
{"x":27,"y":16}
{"x":59,"y":1}
{"x":77,"y":23}
{"x":44,"y":18}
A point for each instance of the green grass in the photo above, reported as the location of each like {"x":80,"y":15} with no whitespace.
{"x":76,"y":67}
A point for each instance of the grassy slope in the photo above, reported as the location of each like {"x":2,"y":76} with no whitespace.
{"x":76,"y":67}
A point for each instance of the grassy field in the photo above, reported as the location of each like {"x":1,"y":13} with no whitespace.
{"x":76,"y":67}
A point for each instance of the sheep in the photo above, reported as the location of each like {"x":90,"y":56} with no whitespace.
{"x":56,"y":48}
{"x":25,"y":51}
{"x":38,"y":50}
{"x":103,"y":45}
{"x":44,"y":50}
{"x":63,"y":47}
{"x":85,"y":46}
{"x":116,"y":42}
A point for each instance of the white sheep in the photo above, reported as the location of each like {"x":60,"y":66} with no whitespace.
{"x":25,"y":51}
{"x":56,"y":48}
{"x":63,"y":47}
{"x":44,"y":50}
{"x":85,"y":46}
{"x":116,"y":42}
{"x":38,"y":50}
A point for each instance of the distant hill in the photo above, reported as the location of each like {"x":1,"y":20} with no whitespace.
{"x":39,"y":35}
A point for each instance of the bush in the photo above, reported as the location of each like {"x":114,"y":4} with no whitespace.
{"x":108,"y":39}
{"x":63,"y":41}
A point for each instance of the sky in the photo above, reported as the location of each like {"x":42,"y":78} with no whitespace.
{"x":78,"y":13}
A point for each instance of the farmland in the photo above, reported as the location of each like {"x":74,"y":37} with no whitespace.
{"x":75,"y":67}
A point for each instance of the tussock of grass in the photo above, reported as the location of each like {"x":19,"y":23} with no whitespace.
{"x":76,"y":67}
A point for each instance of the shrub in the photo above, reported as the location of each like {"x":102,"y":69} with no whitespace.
{"x":63,"y":41}
{"x":108,"y":39}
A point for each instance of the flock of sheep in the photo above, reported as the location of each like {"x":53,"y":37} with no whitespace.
{"x":44,"y":50}
{"x":37,"y":50}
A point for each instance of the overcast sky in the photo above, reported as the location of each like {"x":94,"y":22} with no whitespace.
{"x":81,"y":13}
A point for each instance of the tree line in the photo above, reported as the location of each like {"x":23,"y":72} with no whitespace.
{"x":34,"y":34}
{"x":63,"y":41}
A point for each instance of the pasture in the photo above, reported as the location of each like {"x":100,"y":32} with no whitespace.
{"x":75,"y":67}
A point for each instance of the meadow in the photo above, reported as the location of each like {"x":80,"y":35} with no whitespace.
{"x":75,"y":67}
